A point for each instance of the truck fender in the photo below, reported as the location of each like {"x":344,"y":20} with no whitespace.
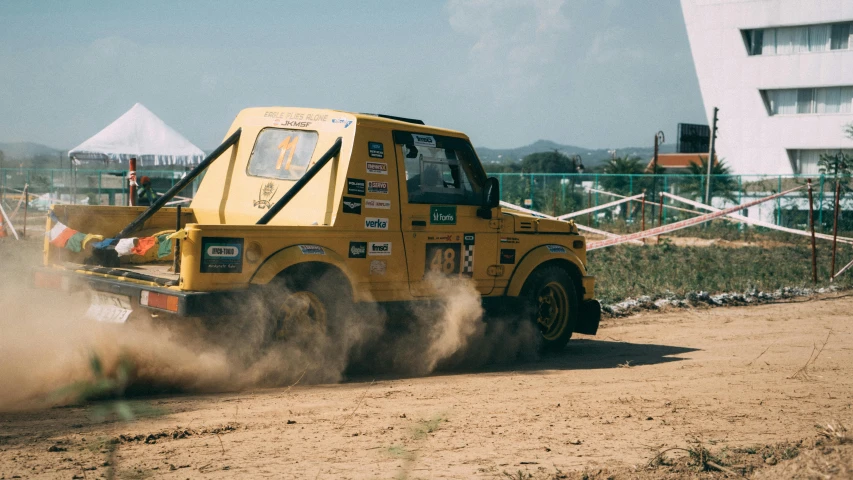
{"x":292,"y":255}
{"x":535,"y":257}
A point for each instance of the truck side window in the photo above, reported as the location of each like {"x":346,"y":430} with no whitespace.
{"x":282,"y":154}
{"x":439,"y":175}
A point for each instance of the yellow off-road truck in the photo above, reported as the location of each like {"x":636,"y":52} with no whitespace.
{"x":313,"y":211}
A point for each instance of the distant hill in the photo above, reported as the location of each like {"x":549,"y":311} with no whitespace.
{"x":29,"y":154}
{"x":591,"y":157}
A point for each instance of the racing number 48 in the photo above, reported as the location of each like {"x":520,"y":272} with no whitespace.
{"x":443,"y":258}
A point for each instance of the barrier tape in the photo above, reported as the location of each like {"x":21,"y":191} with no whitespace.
{"x":759,"y":223}
{"x":600,"y":207}
{"x":842,"y":270}
{"x":7,"y":221}
{"x":580,"y":227}
{"x":684,"y":223}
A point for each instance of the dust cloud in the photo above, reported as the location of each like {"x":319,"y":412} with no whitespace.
{"x":46,"y":343}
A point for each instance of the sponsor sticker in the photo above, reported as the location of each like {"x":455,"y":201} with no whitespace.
{"x":374,"y":223}
{"x":507,"y":256}
{"x":355,"y":186}
{"x":342,"y":122}
{"x":377,"y":168}
{"x":556,"y":249}
{"x":375,"y":249}
{"x":378,"y":267}
{"x":377,"y":204}
{"x":312,"y":250}
{"x":510,"y":240}
{"x":377,"y":187}
{"x":423,"y":140}
{"x":357,"y":249}
{"x":375,"y":150}
{"x":442,"y":215}
{"x":468,"y":239}
{"x":446,"y":238}
{"x":221,"y":255}
{"x":352,"y":205}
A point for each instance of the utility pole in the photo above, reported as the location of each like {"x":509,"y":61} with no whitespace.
{"x":711,"y":157}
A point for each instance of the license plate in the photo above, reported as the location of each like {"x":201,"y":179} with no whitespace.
{"x":109,"y":307}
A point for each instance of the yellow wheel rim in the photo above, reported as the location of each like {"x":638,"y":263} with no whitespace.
{"x":552,"y":310}
{"x":301,"y":313}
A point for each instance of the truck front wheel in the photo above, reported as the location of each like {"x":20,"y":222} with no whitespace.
{"x":552,"y":304}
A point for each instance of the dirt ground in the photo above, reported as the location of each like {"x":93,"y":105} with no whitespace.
{"x":751,"y":387}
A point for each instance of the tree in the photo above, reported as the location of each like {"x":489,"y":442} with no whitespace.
{"x":547,"y":162}
{"x":723,"y":184}
{"x":626,"y":168}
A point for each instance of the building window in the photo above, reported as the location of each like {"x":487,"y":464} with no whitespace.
{"x":806,"y":162}
{"x":802,"y":39}
{"x":807,"y":101}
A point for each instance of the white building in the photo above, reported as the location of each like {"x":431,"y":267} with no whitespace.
{"x":781,"y":73}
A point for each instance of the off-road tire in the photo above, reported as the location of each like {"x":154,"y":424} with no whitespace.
{"x":326,"y":299}
{"x":551,"y":302}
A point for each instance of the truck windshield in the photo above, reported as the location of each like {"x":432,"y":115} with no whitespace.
{"x":282,"y":154}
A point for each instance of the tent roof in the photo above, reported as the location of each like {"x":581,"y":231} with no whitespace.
{"x":141,"y":134}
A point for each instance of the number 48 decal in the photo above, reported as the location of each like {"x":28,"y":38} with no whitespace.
{"x":443,"y":258}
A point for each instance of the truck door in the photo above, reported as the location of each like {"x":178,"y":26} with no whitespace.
{"x":441,"y":184}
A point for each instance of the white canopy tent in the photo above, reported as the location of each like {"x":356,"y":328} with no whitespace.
{"x":137,"y":134}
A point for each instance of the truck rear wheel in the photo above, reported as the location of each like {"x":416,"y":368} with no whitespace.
{"x":307,"y":306}
{"x":552,"y":304}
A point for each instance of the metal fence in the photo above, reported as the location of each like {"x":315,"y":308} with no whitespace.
{"x":549,"y":193}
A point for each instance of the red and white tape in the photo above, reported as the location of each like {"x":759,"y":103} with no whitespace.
{"x":600,"y":207}
{"x":758,"y":223}
{"x":684,"y":223}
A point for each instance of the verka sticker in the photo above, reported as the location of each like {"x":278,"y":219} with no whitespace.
{"x":352,"y":205}
{"x":357,"y":249}
{"x":442,"y":215}
{"x":375,"y":150}
{"x":312,"y":250}
{"x":423,"y":140}
{"x":373,"y":223}
{"x":221,"y":255}
{"x":377,"y":168}
{"x":355,"y":186}
{"x":379,"y":248}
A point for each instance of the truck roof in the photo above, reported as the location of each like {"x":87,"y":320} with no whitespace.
{"x":328,"y":115}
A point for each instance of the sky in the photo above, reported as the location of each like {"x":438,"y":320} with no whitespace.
{"x":591,"y":73}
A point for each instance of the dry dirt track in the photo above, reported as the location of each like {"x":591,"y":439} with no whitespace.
{"x":726,"y":377}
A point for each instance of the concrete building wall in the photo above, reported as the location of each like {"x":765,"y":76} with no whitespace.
{"x":750,"y":139}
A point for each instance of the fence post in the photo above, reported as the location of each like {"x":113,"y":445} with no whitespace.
{"x":531,"y":191}
{"x":665,"y":189}
{"x":820,"y":204}
{"x":779,"y":204}
{"x":835,"y":231}
{"x":811,"y":225}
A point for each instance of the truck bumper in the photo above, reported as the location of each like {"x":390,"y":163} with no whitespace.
{"x":160,"y":299}
{"x":589,"y":317}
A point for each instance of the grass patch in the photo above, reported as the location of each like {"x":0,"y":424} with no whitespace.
{"x":628,"y":271}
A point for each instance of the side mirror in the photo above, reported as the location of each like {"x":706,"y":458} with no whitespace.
{"x":491,"y":198}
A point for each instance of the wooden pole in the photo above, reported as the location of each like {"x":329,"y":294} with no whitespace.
{"x":835,"y":229}
{"x":643,"y":214}
{"x":811,"y":225}
{"x":26,"y":205}
{"x":131,"y":191}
